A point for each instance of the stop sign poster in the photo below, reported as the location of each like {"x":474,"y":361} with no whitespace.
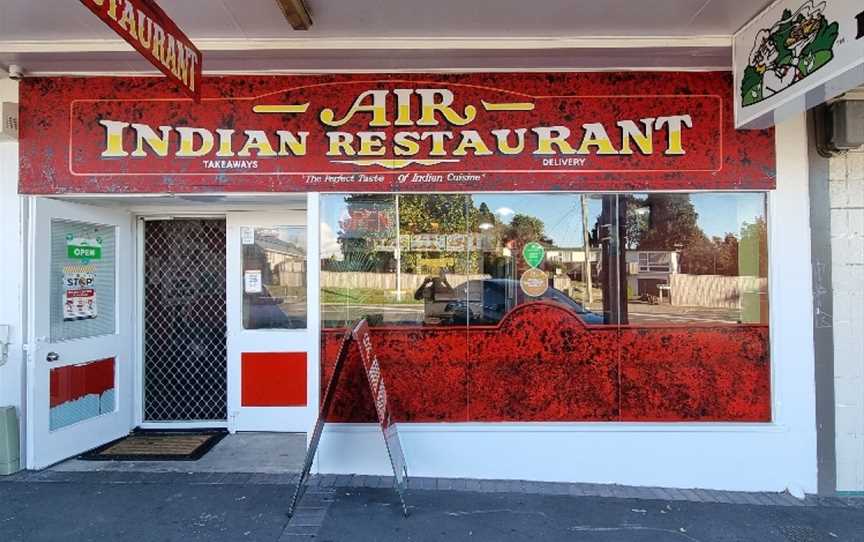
{"x":79,"y":292}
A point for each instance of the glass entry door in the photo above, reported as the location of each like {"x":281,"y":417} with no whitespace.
{"x":272,"y":320}
{"x":79,"y":373}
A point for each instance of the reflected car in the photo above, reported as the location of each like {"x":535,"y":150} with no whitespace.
{"x":486,"y":301}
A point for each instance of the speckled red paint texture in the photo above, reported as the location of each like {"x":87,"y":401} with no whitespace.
{"x":541,"y":363}
{"x":62,"y":141}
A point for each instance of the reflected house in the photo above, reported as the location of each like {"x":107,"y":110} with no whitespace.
{"x":281,"y":300}
{"x":649,"y":273}
{"x":286,"y":263}
{"x":571,"y":261}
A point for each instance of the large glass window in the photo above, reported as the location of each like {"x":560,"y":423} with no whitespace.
{"x":446,"y":259}
{"x":698,"y":257}
{"x":451,"y":259}
{"x":274,"y":277}
{"x":665,"y":293}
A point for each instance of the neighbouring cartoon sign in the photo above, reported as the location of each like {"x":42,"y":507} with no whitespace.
{"x":79,"y":292}
{"x":382,"y":133}
{"x":797,"y":54}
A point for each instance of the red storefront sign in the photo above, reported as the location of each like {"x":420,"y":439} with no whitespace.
{"x":378,"y":133}
{"x":147,"y":28}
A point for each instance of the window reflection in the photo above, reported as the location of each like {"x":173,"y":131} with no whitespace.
{"x":445,"y":259}
{"x":696,"y":258}
{"x":274,"y":277}
{"x":457,"y":259}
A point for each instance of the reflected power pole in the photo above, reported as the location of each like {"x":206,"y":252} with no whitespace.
{"x":586,"y":244}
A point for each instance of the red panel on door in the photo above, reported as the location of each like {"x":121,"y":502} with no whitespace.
{"x":273,"y":379}
{"x":72,"y":382}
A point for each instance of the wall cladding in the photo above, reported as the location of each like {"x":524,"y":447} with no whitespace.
{"x":846,"y":177}
{"x":541,"y":363}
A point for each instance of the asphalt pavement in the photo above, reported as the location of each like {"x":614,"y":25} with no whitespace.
{"x":374,"y":515}
{"x":145,"y":506}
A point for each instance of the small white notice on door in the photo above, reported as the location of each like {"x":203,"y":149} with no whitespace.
{"x":247,"y":235}
{"x":252,"y":281}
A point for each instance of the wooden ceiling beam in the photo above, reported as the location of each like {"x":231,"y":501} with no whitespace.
{"x":297,"y":13}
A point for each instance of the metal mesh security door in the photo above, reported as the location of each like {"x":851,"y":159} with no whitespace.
{"x":185,"y":355}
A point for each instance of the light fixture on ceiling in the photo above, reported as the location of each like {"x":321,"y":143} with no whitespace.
{"x":296,"y":12}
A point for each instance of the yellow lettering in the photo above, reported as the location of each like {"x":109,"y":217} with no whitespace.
{"x":430,"y":105}
{"x":158,"y":42}
{"x":503,"y":138}
{"x":127,"y":21}
{"x":145,"y":43}
{"x":596,"y":136}
{"x":291,"y":144}
{"x":631,"y":132}
{"x":340,"y":144}
{"x":182,"y":67}
{"x":471,"y":140}
{"x":145,"y":134}
{"x":113,"y":138}
{"x":675,"y":122}
{"x":225,"y":139}
{"x":403,"y":106}
{"x":187,"y":142}
{"x":549,"y":136}
{"x":112,"y":9}
{"x":193,"y":61}
{"x":257,"y":140}
{"x":170,"y":59}
{"x":378,"y":108}
{"x":438,"y":139}
{"x":405,"y":143}
{"x":371,"y":143}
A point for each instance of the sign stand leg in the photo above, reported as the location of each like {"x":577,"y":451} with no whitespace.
{"x":360,"y":336}
{"x":319,"y":423}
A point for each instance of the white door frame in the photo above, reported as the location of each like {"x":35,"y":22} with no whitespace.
{"x":138,"y":349}
{"x":45,"y":447}
{"x":293,"y":419}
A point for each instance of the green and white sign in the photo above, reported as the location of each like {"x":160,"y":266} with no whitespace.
{"x":795,"y":55}
{"x":533,"y":254}
{"x":83,"y":248}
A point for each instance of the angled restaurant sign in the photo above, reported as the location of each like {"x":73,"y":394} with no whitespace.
{"x":360,"y":338}
{"x":147,"y":28}
{"x":795,"y":55}
{"x":380,"y":133}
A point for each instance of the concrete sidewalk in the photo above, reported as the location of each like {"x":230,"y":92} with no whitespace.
{"x":119,"y":505}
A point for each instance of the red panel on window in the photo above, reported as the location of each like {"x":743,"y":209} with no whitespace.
{"x":542,"y":364}
{"x":273,"y":379}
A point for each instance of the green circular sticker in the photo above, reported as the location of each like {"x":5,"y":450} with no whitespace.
{"x":533,"y":254}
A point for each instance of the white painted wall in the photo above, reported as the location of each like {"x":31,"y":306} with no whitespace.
{"x":11,"y":281}
{"x":770,"y":457}
{"x":846,"y":178}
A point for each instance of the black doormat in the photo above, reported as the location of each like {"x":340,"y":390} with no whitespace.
{"x":157,"y":445}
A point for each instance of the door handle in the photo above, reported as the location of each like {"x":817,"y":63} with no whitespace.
{"x":52,"y":356}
